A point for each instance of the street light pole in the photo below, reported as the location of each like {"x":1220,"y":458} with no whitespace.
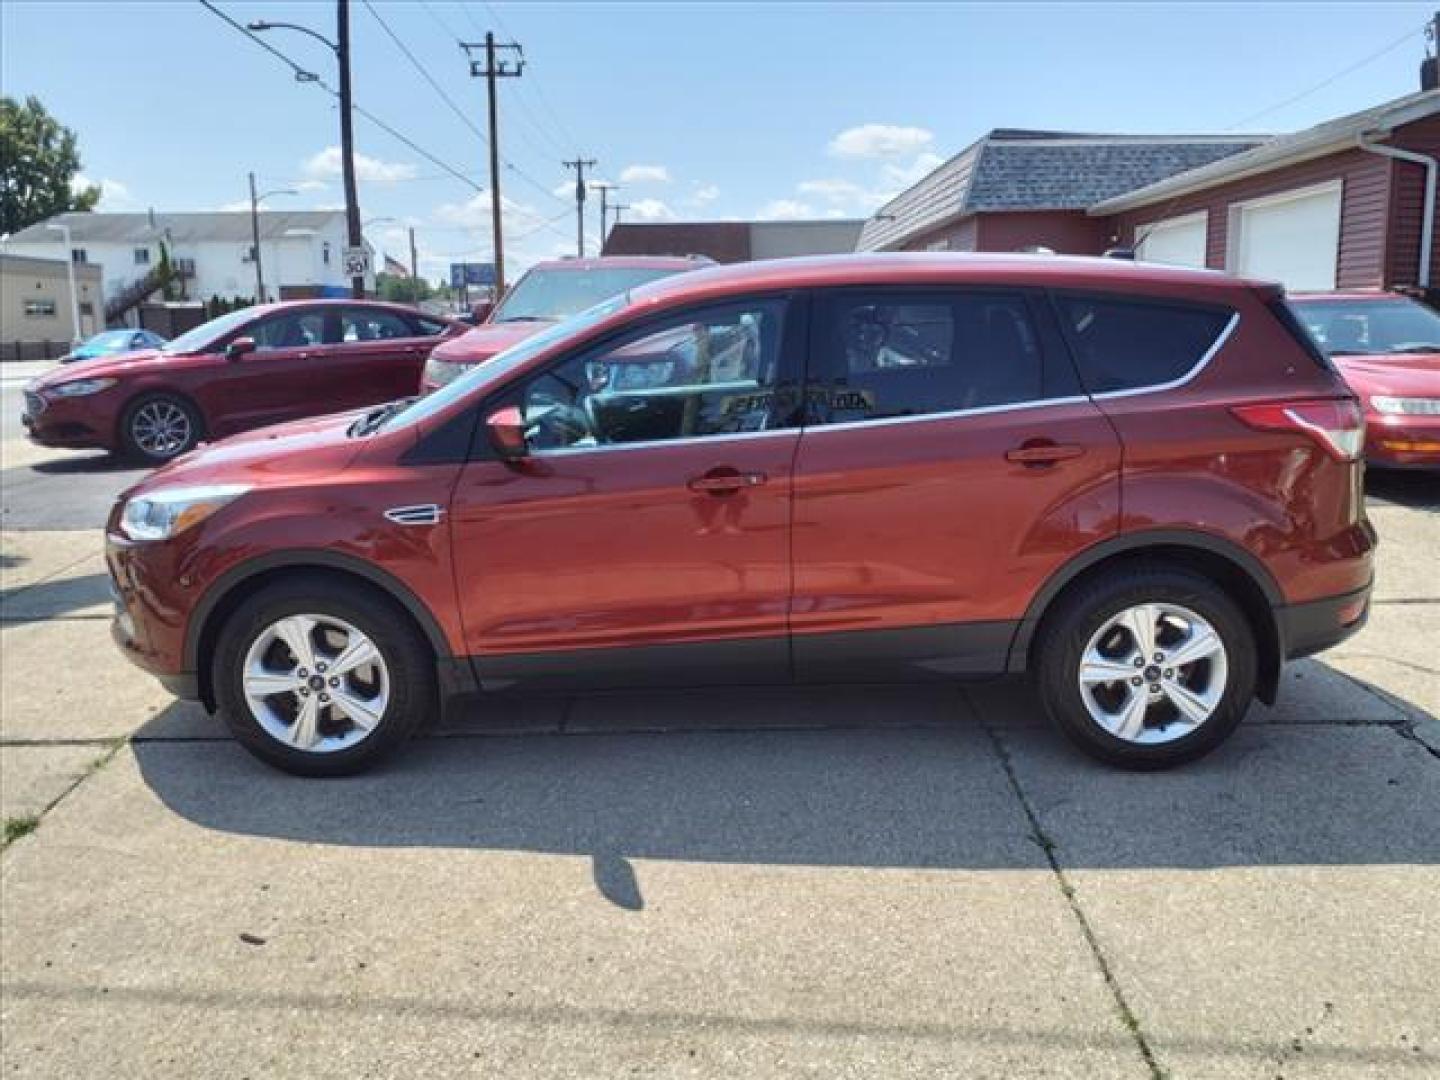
{"x":63,"y":227}
{"x":255,"y":201}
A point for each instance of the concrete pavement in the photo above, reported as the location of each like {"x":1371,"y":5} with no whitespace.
{"x":866,"y":881}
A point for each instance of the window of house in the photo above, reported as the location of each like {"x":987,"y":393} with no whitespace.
{"x":325,"y":252}
{"x":711,"y":372}
{"x":87,"y":308}
{"x":79,"y":255}
{"x":142,"y":256}
{"x":884,"y":354}
{"x":372,"y":324}
{"x":40,"y":308}
{"x":1127,"y":345}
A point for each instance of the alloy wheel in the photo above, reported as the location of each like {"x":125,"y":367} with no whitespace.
{"x":1153,"y":673}
{"x":315,"y":683}
{"x":161,"y":428}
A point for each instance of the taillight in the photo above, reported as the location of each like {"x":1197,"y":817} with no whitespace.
{"x":1337,"y":425}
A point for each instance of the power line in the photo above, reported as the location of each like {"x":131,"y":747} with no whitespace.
{"x":425,"y":74}
{"x":561,"y":137}
{"x":1330,"y":80}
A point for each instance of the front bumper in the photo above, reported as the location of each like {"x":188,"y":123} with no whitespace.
{"x":148,"y":625}
{"x":66,"y":423}
{"x":1317,"y":625}
{"x":1402,"y":440}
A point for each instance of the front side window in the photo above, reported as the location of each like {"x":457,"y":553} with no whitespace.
{"x":709,"y":372}
{"x":297,"y":330}
{"x":888,"y":354}
{"x":372,"y":324}
{"x":1122,"y":345}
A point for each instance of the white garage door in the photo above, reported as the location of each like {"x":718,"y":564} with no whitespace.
{"x":1293,"y":238}
{"x":1179,"y":241}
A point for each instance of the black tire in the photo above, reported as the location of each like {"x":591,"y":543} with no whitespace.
{"x":134,"y":440}
{"x":403,"y":648}
{"x":1080,"y":614}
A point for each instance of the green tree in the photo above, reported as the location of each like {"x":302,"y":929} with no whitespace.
{"x":38,"y":160}
{"x":402,"y":289}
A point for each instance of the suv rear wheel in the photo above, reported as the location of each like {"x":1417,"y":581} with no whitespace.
{"x":1146,"y":669}
{"x":322,"y":679}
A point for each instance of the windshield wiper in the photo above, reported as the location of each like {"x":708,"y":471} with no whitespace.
{"x":523,"y":318}
{"x":375,"y":417}
{"x":1401,"y":350}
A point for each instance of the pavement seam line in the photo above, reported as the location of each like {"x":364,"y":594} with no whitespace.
{"x":90,"y":770}
{"x":1410,"y":715}
{"x":1072,"y":900}
{"x":10,"y":593}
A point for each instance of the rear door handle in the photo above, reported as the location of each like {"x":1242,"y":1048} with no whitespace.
{"x":726,"y":481}
{"x":1038,"y":452}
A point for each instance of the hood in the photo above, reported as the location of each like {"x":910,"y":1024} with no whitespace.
{"x":316,"y":446}
{"x":487,"y":340}
{"x":98,"y":366}
{"x":1411,"y":375}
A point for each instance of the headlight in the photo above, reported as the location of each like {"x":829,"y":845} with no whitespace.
{"x":161,"y":514}
{"x":80,"y":387}
{"x":1411,"y":406}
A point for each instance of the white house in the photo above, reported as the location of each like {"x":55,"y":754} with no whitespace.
{"x":301,"y":253}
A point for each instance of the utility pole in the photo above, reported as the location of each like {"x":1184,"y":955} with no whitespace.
{"x":580,"y":165}
{"x":414,"y":262}
{"x":617,"y":208}
{"x":347,"y":140}
{"x":605,"y":190}
{"x":491,"y":70}
{"x":255,"y":239}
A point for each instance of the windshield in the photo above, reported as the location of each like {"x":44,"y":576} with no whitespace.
{"x":500,"y":366}
{"x":1385,"y":326}
{"x":109,"y":341}
{"x":558,"y":292}
{"x":207,"y":334}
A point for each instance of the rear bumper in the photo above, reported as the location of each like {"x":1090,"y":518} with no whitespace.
{"x":1321,"y":624}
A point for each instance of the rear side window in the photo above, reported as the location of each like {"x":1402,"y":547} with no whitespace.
{"x":1130,"y":345}
{"x":883,"y":354}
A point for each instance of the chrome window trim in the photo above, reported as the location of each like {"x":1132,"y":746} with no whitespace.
{"x":952,"y":414}
{"x":650,"y":444}
{"x":1193,"y":373}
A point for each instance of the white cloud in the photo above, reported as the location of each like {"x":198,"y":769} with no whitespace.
{"x":234,"y":205}
{"x":880,"y":141}
{"x":831,"y":190}
{"x":704,"y":195}
{"x":650,"y":210}
{"x":645,"y":174}
{"x":781,"y":209}
{"x":327,"y":164}
{"x":474,"y":212}
{"x":309,"y":185}
{"x":907,"y":175}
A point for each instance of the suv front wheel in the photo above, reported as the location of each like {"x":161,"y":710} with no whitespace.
{"x":1146,"y":669}
{"x":322,"y":678}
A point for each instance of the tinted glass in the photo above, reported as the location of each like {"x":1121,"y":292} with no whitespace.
{"x":1390,"y":326}
{"x":554,"y":293}
{"x":372,"y":324}
{"x":429,"y":327}
{"x":207,"y":334}
{"x":884,"y":354}
{"x":1128,"y":345}
{"x":297,"y":330}
{"x":711,"y":373}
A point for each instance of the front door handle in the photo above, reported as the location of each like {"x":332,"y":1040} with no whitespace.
{"x":725,"y":481}
{"x":1042,"y":452}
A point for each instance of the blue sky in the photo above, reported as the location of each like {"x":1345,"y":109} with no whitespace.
{"x":697,"y":110}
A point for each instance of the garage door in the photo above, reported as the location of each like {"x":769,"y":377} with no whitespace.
{"x":1293,"y":238}
{"x":1179,"y":241}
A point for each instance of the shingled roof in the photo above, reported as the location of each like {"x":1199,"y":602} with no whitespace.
{"x":1012,"y":169}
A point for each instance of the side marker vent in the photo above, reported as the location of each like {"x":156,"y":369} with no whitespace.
{"x":428,"y":514}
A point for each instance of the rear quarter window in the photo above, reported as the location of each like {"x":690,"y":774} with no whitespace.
{"x":1122,"y":344}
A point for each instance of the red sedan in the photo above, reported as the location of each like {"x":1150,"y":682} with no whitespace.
{"x":259,"y":366}
{"x":1388,"y":349}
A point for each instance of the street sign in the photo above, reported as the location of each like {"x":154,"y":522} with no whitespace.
{"x":356,"y":261}
{"x":467,"y":274}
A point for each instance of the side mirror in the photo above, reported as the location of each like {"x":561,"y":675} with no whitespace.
{"x":239,"y":347}
{"x":506,"y":428}
{"x":481,"y":311}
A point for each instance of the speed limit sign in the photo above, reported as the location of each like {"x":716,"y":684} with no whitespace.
{"x":357,"y":261}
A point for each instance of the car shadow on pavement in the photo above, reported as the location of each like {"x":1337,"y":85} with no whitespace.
{"x":886,"y":794}
{"x":1414,"y":489}
{"x":55,"y":598}
{"x":88,"y":463}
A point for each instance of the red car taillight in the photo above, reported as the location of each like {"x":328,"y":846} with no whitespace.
{"x":1337,"y":425}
